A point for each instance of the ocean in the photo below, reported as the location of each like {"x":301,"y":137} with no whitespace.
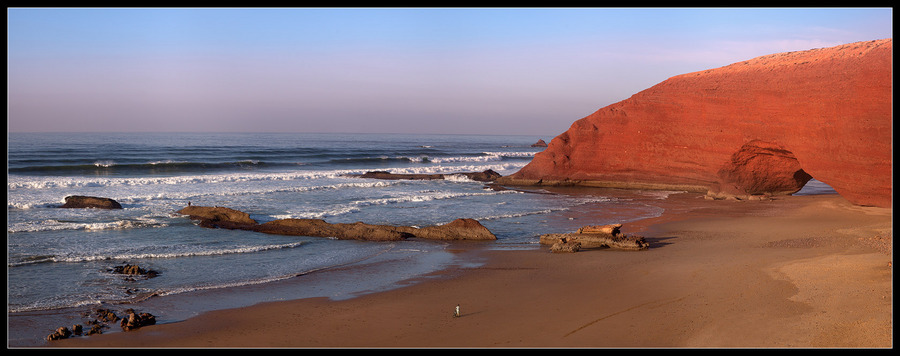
{"x":59,"y":260}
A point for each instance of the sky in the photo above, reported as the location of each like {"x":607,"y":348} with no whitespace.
{"x":517,"y":71}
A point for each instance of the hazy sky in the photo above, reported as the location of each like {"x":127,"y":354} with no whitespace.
{"x":406,"y":70}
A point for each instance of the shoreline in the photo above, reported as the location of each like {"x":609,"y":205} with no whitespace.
{"x":792,"y":272}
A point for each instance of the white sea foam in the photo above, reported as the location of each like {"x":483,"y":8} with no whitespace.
{"x":39,"y":182}
{"x":355,"y":206}
{"x":486,"y":157}
{"x":458,"y":178}
{"x":56,"y":225}
{"x":135,"y":256}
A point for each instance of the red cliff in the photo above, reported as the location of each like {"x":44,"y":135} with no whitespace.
{"x":762,"y":126}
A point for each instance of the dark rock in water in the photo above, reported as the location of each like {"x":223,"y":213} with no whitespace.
{"x":219,"y":217}
{"x":132,"y":320}
{"x":79,"y":201}
{"x":105,"y":315}
{"x":539,"y":143}
{"x":606,"y":236}
{"x":394,"y":176}
{"x":486,"y":176}
{"x":134,"y":270}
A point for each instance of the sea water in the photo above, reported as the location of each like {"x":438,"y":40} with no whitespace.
{"x":59,"y":260}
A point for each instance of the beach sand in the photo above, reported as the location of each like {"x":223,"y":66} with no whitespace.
{"x":802,"y":271}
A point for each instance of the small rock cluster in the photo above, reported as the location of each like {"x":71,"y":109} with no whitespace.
{"x":101,"y":318}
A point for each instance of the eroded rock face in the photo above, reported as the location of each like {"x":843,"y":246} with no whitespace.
{"x":827,"y":112}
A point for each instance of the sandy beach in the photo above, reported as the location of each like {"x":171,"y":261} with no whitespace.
{"x":804,"y":271}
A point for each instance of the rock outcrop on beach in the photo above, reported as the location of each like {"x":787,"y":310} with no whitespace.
{"x":758,"y":127}
{"x":486,"y":176}
{"x":80,"y":202}
{"x":604,"y":236}
{"x":102,"y":317}
{"x":320,"y":228}
{"x":459,"y":229}
{"x":134,"y":320}
{"x":221,"y":217}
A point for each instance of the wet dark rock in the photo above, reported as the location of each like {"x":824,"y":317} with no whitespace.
{"x":80,"y":201}
{"x":219,"y":217}
{"x":485,"y":176}
{"x":134,"y":320}
{"x":134,"y":270}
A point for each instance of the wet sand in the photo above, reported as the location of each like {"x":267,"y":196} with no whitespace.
{"x":804,"y":271}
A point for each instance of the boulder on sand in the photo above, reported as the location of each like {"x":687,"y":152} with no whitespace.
{"x":605,"y":236}
{"x":80,"y":201}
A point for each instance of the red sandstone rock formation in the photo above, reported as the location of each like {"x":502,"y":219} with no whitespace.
{"x":762,"y":126}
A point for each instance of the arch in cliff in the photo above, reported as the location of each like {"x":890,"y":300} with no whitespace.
{"x":758,"y":168}
{"x":830,"y":109}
